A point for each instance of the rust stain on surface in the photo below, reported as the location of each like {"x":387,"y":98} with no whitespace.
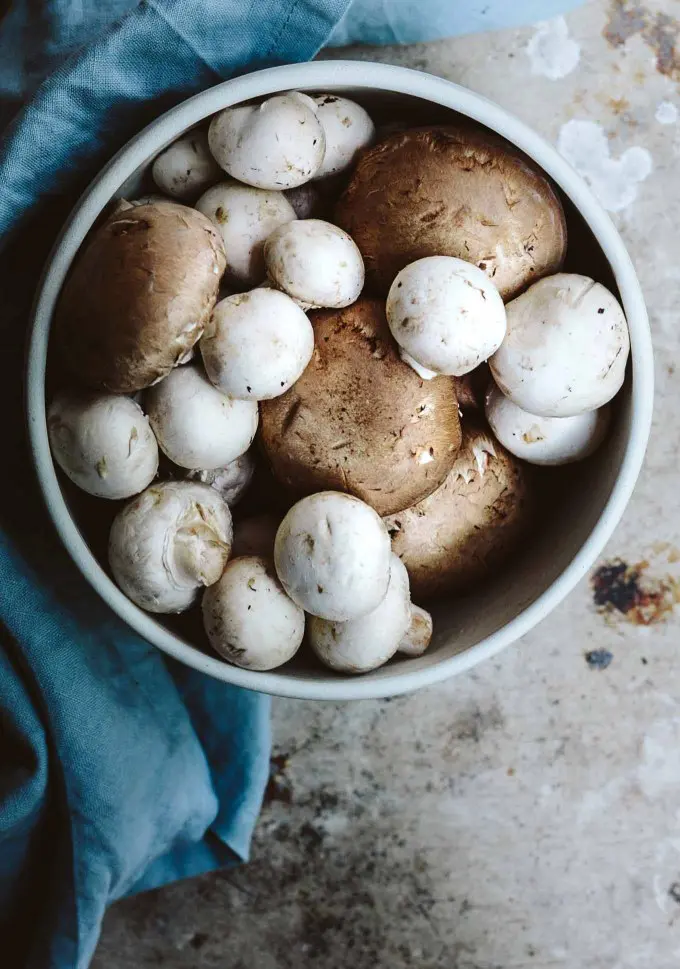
{"x":659,"y":31}
{"x":628,"y":591}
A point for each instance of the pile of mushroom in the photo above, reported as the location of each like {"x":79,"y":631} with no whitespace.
{"x":388,"y":315}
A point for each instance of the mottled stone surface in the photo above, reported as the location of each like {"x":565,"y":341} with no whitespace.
{"x":527,"y":814}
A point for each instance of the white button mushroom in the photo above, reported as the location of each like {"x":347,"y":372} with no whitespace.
{"x":332,"y":555}
{"x":368,"y":642}
{"x":248,"y":617}
{"x":168,"y":543}
{"x":445,"y":314}
{"x":566,"y":347}
{"x":315,"y":262}
{"x":256,"y":535}
{"x":103,"y":443}
{"x":348,"y":128}
{"x":257,"y":344}
{"x":186,"y":168}
{"x":545,"y":440}
{"x":197,"y":426}
{"x":245,"y":217}
{"x":277,"y":144}
{"x":230,"y":482}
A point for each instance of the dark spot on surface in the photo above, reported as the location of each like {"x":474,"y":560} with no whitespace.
{"x":599,"y":659}
{"x":399,"y":285}
{"x":625,"y":590}
{"x":643,"y":661}
{"x":601,"y":309}
{"x":674,"y":892}
{"x":319,"y":589}
{"x":482,"y":265}
{"x":198,"y":940}
{"x":249,"y":389}
{"x":473,"y":724}
{"x":615,"y":585}
{"x":278,"y":787}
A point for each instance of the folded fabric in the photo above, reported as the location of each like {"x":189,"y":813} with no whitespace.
{"x":414,"y":21}
{"x":119,"y":771}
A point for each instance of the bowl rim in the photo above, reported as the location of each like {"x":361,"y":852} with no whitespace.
{"x":335,"y":75}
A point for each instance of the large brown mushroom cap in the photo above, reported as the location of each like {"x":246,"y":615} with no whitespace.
{"x":359,"y":419}
{"x":455,"y":191}
{"x":467,"y":527}
{"x":139,"y":296}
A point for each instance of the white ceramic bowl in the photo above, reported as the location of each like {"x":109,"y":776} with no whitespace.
{"x":468,"y":629}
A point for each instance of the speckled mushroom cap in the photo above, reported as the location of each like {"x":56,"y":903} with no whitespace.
{"x":456,"y":191}
{"x":467,"y":527}
{"x":139,"y":296}
{"x":359,"y":419}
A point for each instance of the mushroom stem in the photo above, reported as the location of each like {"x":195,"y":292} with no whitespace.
{"x":418,"y":367}
{"x":199,"y":553}
{"x":418,"y":635}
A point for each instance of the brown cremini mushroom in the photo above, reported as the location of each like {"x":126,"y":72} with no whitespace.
{"x":359,"y":419}
{"x":460,"y":534}
{"x":455,"y":191}
{"x":139,"y":296}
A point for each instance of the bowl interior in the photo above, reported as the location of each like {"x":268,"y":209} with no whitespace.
{"x":579,"y":505}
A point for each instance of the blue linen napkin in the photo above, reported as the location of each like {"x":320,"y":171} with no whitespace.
{"x":119,"y":770}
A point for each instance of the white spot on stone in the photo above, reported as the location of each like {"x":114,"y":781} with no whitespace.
{"x":666,"y":113}
{"x":659,"y":769}
{"x":597,"y":802}
{"x":614,"y":181}
{"x":552,"y":52}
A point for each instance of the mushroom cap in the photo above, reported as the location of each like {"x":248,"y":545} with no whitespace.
{"x":566,"y":347}
{"x":453,"y":191}
{"x":256,"y":535}
{"x":446,"y":314}
{"x":245,"y":217}
{"x":248,"y":617}
{"x":315,"y":262}
{"x":367,"y":642}
{"x":545,"y":440}
{"x":359,"y":419}
{"x":463,"y":531}
{"x":103,"y":443}
{"x":186,"y":168}
{"x":278,"y":144}
{"x":348,"y":128}
{"x":257,"y":344}
{"x":139,"y":296}
{"x":168,"y":543}
{"x":332,"y":555}
{"x":195,"y":424}
{"x":231,"y":481}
